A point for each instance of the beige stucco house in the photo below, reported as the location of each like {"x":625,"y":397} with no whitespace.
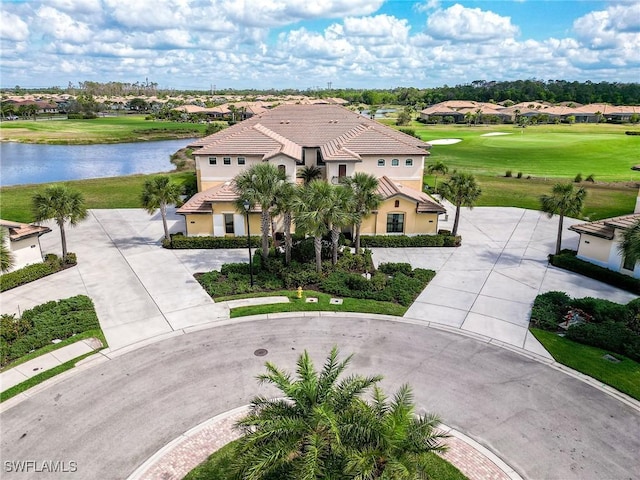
{"x":599,"y":243}
{"x":337,"y":141}
{"x":23,"y":240}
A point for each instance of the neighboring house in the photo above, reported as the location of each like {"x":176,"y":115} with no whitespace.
{"x":24,"y":242}
{"x":600,"y":241}
{"x":337,"y":141}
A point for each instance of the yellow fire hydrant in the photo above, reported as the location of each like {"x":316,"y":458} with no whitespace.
{"x":299,"y":292}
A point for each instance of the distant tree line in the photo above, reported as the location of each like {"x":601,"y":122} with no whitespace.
{"x":552,"y":91}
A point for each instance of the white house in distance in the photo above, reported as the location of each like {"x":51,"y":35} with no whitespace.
{"x":24,"y":242}
{"x":600,"y":240}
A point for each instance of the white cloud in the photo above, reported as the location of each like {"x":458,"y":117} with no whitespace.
{"x":192,"y":43}
{"x":617,"y":26}
{"x":458,"y":23}
{"x":270,"y":13}
{"x":61,"y":26}
{"x":12,"y":27}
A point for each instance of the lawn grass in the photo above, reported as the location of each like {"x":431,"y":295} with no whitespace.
{"x":114,"y":192}
{"x":300,"y":305}
{"x":603,"y":200}
{"x":41,"y":377}
{"x":119,"y":129}
{"x":546,"y":151}
{"x":623,"y":376}
{"x":219,"y":464}
{"x":94,"y":333}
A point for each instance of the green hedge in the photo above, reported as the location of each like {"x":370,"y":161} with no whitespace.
{"x":52,"y":264}
{"x":397,"y":241}
{"x":403,"y":287}
{"x":567,"y":260}
{"x":612,"y":326}
{"x":42,"y":324}
{"x":182,"y":242}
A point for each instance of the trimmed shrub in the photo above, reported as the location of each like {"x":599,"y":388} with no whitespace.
{"x":508,"y":174}
{"x":28,"y":274}
{"x":568,"y":261}
{"x":44,"y":323}
{"x":613,"y":336}
{"x":395,"y":268}
{"x":548,"y":310}
{"x":602,"y":311}
{"x":519,"y":175}
{"x":398,"y":241}
{"x":578,"y":178}
{"x":182,"y":242}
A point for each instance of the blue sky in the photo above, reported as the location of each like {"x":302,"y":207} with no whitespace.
{"x":306,"y":43}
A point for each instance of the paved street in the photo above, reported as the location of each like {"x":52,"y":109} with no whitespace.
{"x":112,"y":417}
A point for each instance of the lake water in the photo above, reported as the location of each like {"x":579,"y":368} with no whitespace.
{"x":23,"y":163}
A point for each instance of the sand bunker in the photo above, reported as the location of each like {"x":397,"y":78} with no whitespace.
{"x":495,"y":134}
{"x":445,"y":141}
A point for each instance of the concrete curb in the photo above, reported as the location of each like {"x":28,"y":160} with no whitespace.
{"x":184,"y":453}
{"x":108,"y":354}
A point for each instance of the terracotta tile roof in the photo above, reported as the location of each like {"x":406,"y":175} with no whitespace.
{"x":201,"y":202}
{"x":425,"y":204}
{"x":606,"y":228}
{"x":338,"y":132}
{"x":19,"y":231}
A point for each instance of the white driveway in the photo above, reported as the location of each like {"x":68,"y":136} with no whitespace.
{"x":487,"y":286}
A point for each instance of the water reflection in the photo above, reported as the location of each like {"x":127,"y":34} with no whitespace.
{"x":22,"y":163}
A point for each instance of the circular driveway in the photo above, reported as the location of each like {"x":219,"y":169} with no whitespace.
{"x":110,"y":418}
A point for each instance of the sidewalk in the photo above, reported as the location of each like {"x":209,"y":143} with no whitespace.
{"x":27,"y":370}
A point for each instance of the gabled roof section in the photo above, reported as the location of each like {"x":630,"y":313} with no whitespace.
{"x":287,"y":147}
{"x":202,"y":202}
{"x":20,"y":231}
{"x":425,"y":204}
{"x":340,"y":133}
{"x":606,"y":228}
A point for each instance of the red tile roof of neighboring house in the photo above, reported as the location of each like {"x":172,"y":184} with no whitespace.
{"x":340,"y":134}
{"x":606,"y":228}
{"x":388,"y":188}
{"x":20,"y":231}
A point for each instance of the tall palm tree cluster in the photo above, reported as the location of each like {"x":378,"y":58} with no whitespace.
{"x":317,"y":207}
{"x":321,"y":428}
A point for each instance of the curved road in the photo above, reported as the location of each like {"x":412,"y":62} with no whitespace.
{"x":112,"y":417}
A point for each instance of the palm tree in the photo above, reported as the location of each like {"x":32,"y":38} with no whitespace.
{"x":309,"y":174}
{"x":299,"y":434}
{"x":435,"y":168}
{"x":365,"y":199}
{"x":283,"y":205}
{"x":7,"y":260}
{"x":461,"y":190}
{"x":260,"y":184}
{"x":61,"y":204}
{"x":390,"y":440}
{"x":338,"y":215}
{"x":564,"y":200}
{"x":310,"y":209}
{"x":157,"y":193}
{"x":630,"y":244}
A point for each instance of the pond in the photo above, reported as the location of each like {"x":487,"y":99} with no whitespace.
{"x":24,"y":163}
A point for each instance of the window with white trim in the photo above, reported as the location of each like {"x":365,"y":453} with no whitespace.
{"x":381,"y":162}
{"x":241,"y":161}
{"x":408,"y":162}
{"x":395,"y":162}
{"x":228,"y":223}
{"x":226,"y":160}
{"x":213,"y":161}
